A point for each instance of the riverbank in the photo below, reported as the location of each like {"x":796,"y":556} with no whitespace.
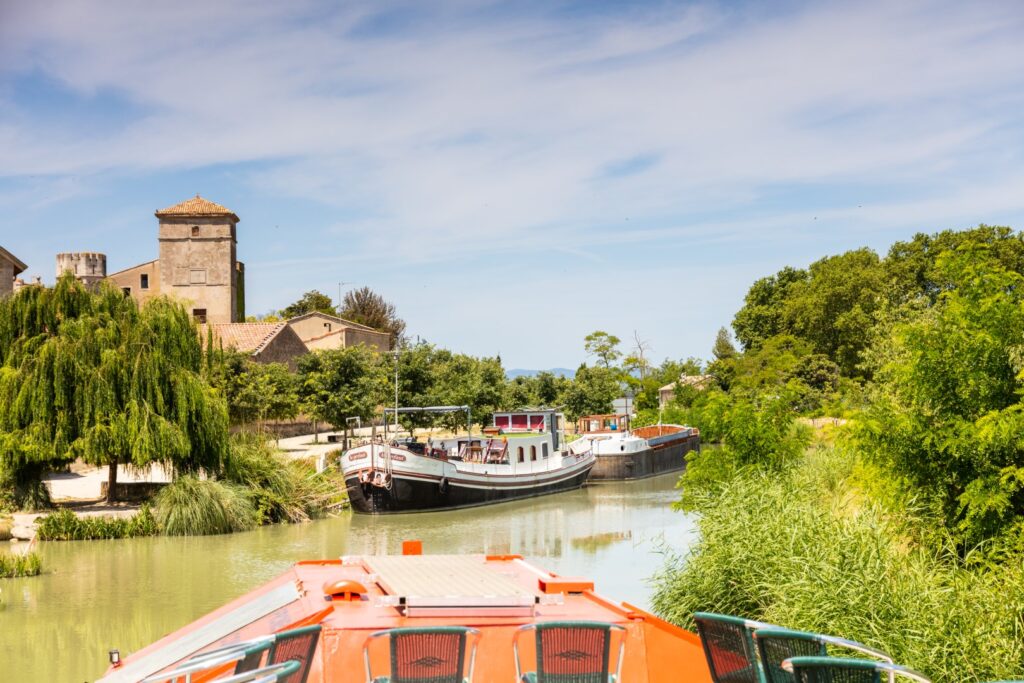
{"x":127,"y":593}
{"x":828,"y":543}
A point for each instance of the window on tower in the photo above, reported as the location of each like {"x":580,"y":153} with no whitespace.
{"x":195,"y":231}
{"x":199,"y":315}
{"x":144,"y":281}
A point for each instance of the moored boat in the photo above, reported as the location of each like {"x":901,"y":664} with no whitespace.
{"x":353,"y":598}
{"x":622,"y":453}
{"x":519,"y":456}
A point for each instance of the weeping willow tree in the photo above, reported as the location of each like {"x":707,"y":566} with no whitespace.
{"x":92,"y":375}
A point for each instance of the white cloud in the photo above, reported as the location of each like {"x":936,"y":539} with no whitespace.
{"x":465,"y":128}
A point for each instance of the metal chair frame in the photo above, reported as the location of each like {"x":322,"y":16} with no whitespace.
{"x":782,"y":633}
{"x":569,"y":624}
{"x":191,"y":667}
{"x":750,"y":649}
{"x":793,"y":664}
{"x":268,"y":674}
{"x":472,"y":636}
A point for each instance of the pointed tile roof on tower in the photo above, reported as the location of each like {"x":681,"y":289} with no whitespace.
{"x":196,"y":206}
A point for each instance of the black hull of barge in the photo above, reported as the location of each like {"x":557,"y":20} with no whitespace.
{"x":425,"y":495}
{"x":647,"y":463}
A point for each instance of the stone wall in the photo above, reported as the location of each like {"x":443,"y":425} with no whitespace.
{"x":198,"y":265}
{"x":286,"y":348}
{"x":6,"y":277}
{"x":130,"y":280}
{"x":379,"y":340}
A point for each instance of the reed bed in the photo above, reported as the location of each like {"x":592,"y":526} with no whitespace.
{"x":797,"y":548}
{"x":14,"y":565}
{"x":190,"y":506}
{"x":65,"y":525}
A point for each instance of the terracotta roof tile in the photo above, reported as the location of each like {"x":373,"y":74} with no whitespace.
{"x":196,"y":206}
{"x":245,"y":337}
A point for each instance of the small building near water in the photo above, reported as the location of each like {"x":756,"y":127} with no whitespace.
{"x":264,"y":342}
{"x":320,"y":331}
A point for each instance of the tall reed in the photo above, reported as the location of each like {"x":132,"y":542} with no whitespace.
{"x":190,"y":506}
{"x":14,"y":565}
{"x":799,"y":548}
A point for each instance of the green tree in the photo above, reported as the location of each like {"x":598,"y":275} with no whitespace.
{"x":835,"y":307}
{"x":310,"y":302}
{"x":761,"y":316}
{"x":339,"y":383}
{"x":603,"y":345}
{"x":946,"y":409}
{"x":591,"y":392}
{"x":366,"y":307}
{"x":723,"y":348}
{"x":90,"y":375}
{"x":255,"y":392}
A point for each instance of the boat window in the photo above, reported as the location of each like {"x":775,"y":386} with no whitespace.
{"x":501,"y":421}
{"x":533,"y":452}
{"x":521,"y":458}
{"x":537,"y":422}
{"x":544,"y":450}
{"x":519,"y":422}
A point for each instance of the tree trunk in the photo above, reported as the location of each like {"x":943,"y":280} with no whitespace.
{"x":112,"y":482}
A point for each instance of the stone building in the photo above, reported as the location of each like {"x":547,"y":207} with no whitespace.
{"x":197,"y":263}
{"x":88,"y":267}
{"x":698,"y":382}
{"x":264,"y":342}
{"x":323,"y":331}
{"x":10,"y":267}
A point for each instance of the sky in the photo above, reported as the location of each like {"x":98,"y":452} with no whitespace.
{"x":512,"y":176}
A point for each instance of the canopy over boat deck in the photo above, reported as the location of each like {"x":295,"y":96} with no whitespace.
{"x":354,"y":597}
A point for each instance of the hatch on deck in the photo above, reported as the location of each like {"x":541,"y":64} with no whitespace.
{"x":439,"y":585}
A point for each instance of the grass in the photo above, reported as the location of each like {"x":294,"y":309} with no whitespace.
{"x":804,"y":548}
{"x":282,"y":489}
{"x":13,"y":566}
{"x":190,"y":506}
{"x":65,"y":525}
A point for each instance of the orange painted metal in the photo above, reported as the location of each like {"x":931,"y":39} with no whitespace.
{"x":412,"y":547}
{"x":344,"y":589}
{"x":655,"y":650}
{"x":564,"y":584}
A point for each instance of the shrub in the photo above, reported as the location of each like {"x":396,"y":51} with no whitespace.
{"x":799,"y":549}
{"x":13,"y":566}
{"x":190,"y":506}
{"x":282,"y":489}
{"x":65,"y":525}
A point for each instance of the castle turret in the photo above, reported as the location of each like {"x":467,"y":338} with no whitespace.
{"x":87,"y":266}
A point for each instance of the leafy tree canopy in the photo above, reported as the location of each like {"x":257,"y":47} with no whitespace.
{"x":92,"y":376}
{"x":603,"y":345}
{"x":310,"y":302}
{"x":366,"y":307}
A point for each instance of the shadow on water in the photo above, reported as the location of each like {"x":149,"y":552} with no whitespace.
{"x":96,"y":595}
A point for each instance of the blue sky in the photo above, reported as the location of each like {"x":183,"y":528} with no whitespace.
{"x":512,"y":175}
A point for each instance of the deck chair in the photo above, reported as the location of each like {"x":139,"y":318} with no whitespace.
{"x":294,"y":645}
{"x":838,"y":670}
{"x":210,"y":661}
{"x":729,"y":647}
{"x":571,"y":652}
{"x":434,"y":654}
{"x":275,"y":673}
{"x":774,"y":645}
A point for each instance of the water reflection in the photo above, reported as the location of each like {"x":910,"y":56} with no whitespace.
{"x":102,"y":594}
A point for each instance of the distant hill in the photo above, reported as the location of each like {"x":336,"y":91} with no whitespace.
{"x":520,"y":372}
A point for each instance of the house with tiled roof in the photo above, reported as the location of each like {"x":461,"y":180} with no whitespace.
{"x":264,"y":342}
{"x":197,"y":262}
{"x":10,"y":267}
{"x":319,"y":330}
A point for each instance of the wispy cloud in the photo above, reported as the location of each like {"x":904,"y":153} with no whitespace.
{"x":435,"y":131}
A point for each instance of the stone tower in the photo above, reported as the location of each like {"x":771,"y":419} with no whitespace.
{"x":198,"y":263}
{"x":88,"y":267}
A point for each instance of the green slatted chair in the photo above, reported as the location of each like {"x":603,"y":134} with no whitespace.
{"x":729,"y":647}
{"x":571,"y":652}
{"x":295,"y":645}
{"x":838,"y":670}
{"x":435,"y":654}
{"x":774,"y":645}
{"x":209,"y":661}
{"x":275,"y":673}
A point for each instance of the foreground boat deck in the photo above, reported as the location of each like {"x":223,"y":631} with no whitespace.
{"x":356,"y":596}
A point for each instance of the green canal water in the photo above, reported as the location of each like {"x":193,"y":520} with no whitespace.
{"x":97,"y":595}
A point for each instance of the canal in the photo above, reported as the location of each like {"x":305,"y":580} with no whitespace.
{"x":97,"y":595}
